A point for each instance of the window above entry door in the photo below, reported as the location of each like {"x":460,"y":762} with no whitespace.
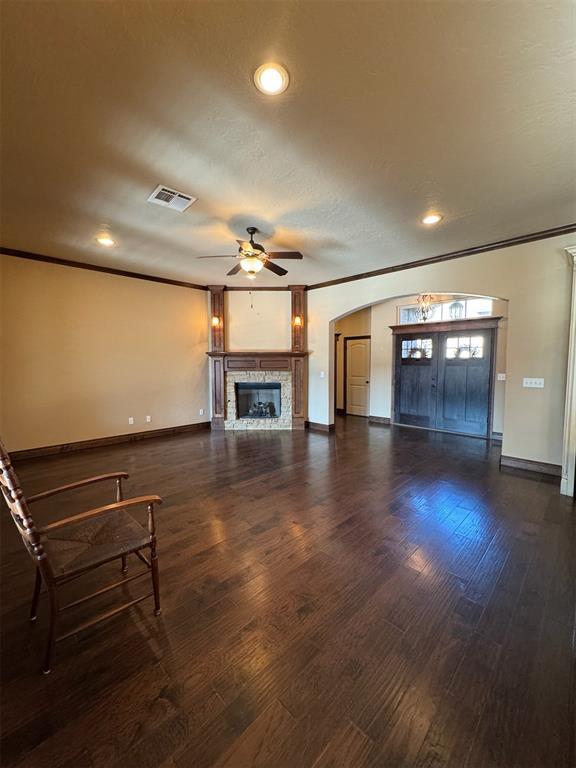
{"x":449,"y":310}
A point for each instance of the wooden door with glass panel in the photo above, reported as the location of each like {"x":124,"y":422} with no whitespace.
{"x":443,"y":380}
{"x":464,"y":382}
{"x":416,"y":379}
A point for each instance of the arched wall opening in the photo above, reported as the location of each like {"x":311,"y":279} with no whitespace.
{"x":535,"y":279}
{"x":371,"y":324}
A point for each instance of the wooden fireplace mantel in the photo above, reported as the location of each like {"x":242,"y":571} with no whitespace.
{"x":254,"y":360}
{"x":258,"y":353}
{"x":259,"y":360}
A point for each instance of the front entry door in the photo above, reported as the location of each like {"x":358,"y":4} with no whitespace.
{"x":357,"y":359}
{"x":416,"y":379}
{"x":443,"y":380}
{"x":464,"y":370}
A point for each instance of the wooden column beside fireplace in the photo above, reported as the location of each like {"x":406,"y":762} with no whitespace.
{"x":294,"y":360}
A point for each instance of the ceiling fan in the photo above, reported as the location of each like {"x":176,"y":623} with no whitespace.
{"x":252,"y":257}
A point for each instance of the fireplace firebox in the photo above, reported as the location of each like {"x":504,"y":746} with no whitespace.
{"x":258,"y":400}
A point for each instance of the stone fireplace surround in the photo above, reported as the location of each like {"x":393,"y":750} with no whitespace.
{"x":284,"y":421}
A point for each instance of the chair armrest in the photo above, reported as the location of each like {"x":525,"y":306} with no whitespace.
{"x":78,"y":484}
{"x":149,"y":500}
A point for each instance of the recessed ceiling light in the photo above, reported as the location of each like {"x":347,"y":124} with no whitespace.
{"x":432,"y":218}
{"x":271,"y":79}
{"x":105,"y":240}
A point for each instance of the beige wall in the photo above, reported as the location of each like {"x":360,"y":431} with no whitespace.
{"x":535,"y":280}
{"x":356,"y":324}
{"x":384,"y":315}
{"x":258,"y":320}
{"x":533,"y":277}
{"x":83,"y":351}
{"x":92,"y":349}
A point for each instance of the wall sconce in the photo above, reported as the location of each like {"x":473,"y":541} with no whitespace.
{"x":215,"y":322}
{"x":297,"y":321}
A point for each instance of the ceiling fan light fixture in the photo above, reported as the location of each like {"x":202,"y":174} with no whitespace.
{"x":251,"y":264}
{"x":271,"y":79}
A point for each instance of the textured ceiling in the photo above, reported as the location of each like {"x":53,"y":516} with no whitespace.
{"x":394,"y":108}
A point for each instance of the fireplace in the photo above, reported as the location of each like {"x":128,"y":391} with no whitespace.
{"x":285,"y":369}
{"x":258,"y":400}
{"x":277,"y":378}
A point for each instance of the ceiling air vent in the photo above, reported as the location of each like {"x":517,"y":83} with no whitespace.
{"x":171,"y":198}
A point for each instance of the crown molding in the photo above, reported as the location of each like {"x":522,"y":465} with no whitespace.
{"x":98,"y":268}
{"x":518,"y":240}
{"x":474,"y":250}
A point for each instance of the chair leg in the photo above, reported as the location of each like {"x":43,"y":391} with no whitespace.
{"x":155,"y":582}
{"x":51,"y":629}
{"x":124,"y":565}
{"x":36,"y":595}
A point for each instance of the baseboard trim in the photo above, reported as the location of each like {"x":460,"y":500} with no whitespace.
{"x":511,"y":462}
{"x":378,"y":419}
{"x":99,"y":442}
{"x":315,"y":426}
{"x":340,"y":412}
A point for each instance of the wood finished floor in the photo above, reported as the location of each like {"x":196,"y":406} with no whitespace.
{"x":377,"y":598}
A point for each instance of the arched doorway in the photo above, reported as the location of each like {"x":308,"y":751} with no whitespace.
{"x":467,"y":390}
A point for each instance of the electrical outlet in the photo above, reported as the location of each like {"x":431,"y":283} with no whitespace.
{"x":322,"y":374}
{"x":148,"y":419}
{"x":201,"y":412}
{"x":130,"y":419}
{"x":532,"y":383}
{"x":500,"y":377}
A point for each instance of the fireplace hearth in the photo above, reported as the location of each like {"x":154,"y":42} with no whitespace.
{"x":258,"y":400}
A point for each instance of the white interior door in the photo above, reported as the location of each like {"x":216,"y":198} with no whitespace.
{"x":358,"y":377}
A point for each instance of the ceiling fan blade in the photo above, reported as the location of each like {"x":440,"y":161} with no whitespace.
{"x":275,"y":268}
{"x":235,"y":269}
{"x":285,"y":255}
{"x":220,"y":256}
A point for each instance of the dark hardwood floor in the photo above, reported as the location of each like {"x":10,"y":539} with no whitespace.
{"x":375,"y":598}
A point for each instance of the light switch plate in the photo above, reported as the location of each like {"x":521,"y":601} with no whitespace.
{"x":532,"y":383}
{"x":500,"y":377}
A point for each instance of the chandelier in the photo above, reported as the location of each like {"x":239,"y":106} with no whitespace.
{"x":425,"y":307}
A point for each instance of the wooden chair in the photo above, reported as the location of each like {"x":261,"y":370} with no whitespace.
{"x":68,"y":548}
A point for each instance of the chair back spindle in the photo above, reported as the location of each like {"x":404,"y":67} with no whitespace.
{"x":15,"y":499}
